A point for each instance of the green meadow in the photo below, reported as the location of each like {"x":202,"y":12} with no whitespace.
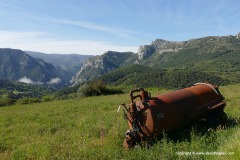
{"x":91,"y":128}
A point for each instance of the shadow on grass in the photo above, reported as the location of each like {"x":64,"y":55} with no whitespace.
{"x":199,"y":128}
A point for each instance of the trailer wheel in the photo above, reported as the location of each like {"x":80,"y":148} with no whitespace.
{"x":128,"y":143}
{"x":217,"y":118}
{"x":223,"y":119}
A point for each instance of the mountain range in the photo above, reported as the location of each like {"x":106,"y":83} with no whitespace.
{"x":73,"y":62}
{"x":16,"y":65}
{"x":213,"y":58}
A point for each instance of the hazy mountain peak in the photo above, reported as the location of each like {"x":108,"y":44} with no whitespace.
{"x":16,"y":65}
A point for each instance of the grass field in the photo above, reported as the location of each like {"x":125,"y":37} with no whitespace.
{"x":90,"y":128}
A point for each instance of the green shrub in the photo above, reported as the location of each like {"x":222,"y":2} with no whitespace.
{"x":96,"y":89}
{"x":47,"y":98}
{"x":6,"y":101}
{"x":26,"y":100}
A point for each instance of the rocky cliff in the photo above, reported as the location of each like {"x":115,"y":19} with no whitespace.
{"x":99,"y":65}
{"x":159,"y":46}
{"x":205,"y":44}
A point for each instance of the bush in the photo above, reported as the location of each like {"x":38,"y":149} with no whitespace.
{"x":96,"y":89}
{"x":47,"y":98}
{"x":6,"y":101}
{"x":26,"y":100}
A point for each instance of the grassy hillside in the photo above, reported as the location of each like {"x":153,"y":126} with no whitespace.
{"x":90,"y":128}
{"x":143,"y":76}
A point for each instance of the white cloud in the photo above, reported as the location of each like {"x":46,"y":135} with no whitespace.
{"x":35,"y":41}
{"x":26,"y":80}
{"x":54,"y":80}
{"x":123,"y":33}
{"x":9,"y":36}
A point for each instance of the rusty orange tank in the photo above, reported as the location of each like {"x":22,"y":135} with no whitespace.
{"x":150,"y":116}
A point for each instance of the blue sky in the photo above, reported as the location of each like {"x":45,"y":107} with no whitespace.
{"x":96,"y":26}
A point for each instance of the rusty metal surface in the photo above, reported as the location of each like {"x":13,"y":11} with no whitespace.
{"x":150,"y":116}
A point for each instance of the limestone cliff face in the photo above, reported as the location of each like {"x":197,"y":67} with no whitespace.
{"x":99,"y":65}
{"x":89,"y":70}
{"x":145,"y":51}
{"x":159,"y":46}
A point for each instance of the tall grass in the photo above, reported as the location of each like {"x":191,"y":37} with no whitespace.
{"x":90,"y":128}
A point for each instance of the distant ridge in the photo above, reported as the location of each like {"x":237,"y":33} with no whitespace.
{"x":16,"y":65}
{"x":69,"y":61}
